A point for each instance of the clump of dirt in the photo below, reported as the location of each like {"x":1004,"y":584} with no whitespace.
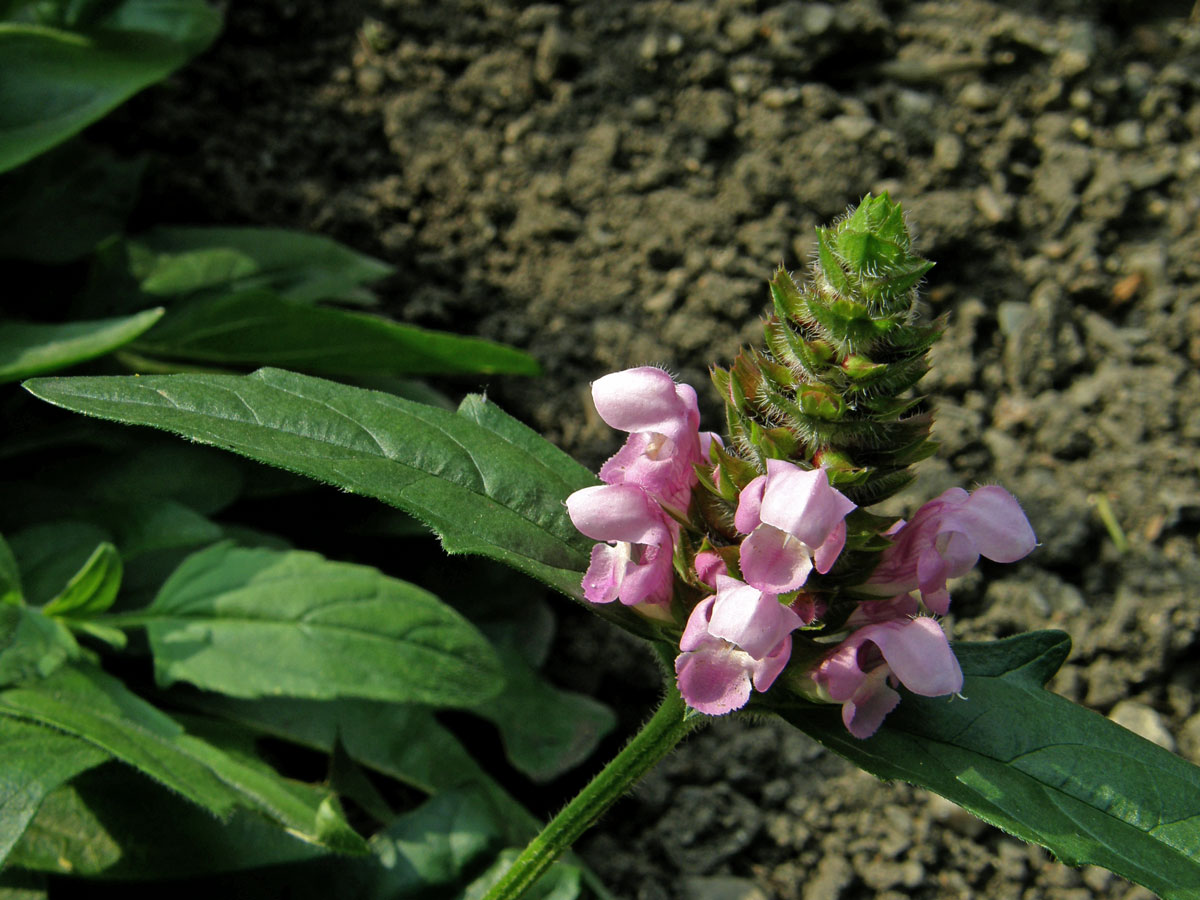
{"x":610,"y":184}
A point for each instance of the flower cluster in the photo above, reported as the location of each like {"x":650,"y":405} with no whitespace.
{"x":790,"y":522}
{"x":755,"y":555}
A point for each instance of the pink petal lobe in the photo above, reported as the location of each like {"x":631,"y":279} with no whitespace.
{"x":829,"y":551}
{"x":994,"y":520}
{"x":802,"y":503}
{"x":645,"y":400}
{"x":713,"y":679}
{"x":958,"y":550}
{"x":866,"y":710}
{"x":695,"y":633}
{"x":755,"y":621}
{"x":767,"y":669}
{"x":774,"y":561}
{"x":650,"y":579}
{"x":932,"y":571}
{"x":919,"y":655}
{"x":839,"y":672}
{"x":603,"y":578}
{"x":747,"y":518}
{"x":616,"y":512}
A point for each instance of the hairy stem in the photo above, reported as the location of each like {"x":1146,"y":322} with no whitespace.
{"x":670,"y":723}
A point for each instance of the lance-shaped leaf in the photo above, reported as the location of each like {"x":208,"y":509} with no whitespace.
{"x":91,"y":188}
{"x":545,"y":730}
{"x":1038,"y":766}
{"x":259,"y":327}
{"x":257,"y":623}
{"x":57,"y":80}
{"x":176,"y":261}
{"x":36,"y":761}
{"x":113,"y":823}
{"x":478,"y":485}
{"x":32,"y":348}
{"x":96,"y":708}
{"x":404,"y":742}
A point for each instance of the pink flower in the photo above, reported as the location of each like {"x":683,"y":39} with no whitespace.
{"x":913,"y":652}
{"x":635,"y":563}
{"x":662,"y":419}
{"x":795,"y":521}
{"x":736,"y":638}
{"x":945,"y":539}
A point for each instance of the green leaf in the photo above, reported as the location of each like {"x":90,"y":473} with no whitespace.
{"x":55,"y":82}
{"x":261,"y":328}
{"x":404,"y":742}
{"x":441,"y":842}
{"x":253,"y":622}
{"x":435,"y":844}
{"x":58,"y":547}
{"x":10,"y":576}
{"x":481,"y":491}
{"x":28,"y":348}
{"x":66,"y":836}
{"x":546,"y":730}
{"x":149,"y":526}
{"x":92,"y":589}
{"x":49,"y":554}
{"x":1038,"y":766}
{"x":32,"y":646}
{"x":111,"y":822}
{"x":304,"y":268}
{"x":87,"y":187}
{"x":573,"y":475}
{"x":36,"y":760}
{"x":96,"y":708}
{"x":196,"y":477}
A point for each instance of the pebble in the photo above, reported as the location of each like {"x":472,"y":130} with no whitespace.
{"x":978,"y":95}
{"x":1128,"y":135}
{"x":947,"y":152}
{"x":551,"y":48}
{"x":833,"y":876}
{"x":742,"y":30}
{"x":996,"y":208}
{"x":815,"y":18}
{"x":1143,"y":720}
{"x":779,"y":97}
{"x":370,"y":79}
{"x":722,"y":887}
{"x":1189,"y":738}
{"x":644,"y":109}
{"x":954,"y":817}
{"x":854,"y":128}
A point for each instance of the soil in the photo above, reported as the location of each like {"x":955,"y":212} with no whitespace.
{"x":609,"y":184}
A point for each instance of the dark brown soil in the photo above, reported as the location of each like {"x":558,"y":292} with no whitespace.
{"x":608,"y":184}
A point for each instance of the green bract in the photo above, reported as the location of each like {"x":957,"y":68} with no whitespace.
{"x":844,"y":353}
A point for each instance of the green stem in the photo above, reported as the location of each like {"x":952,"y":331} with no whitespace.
{"x":657,"y":738}
{"x":126,"y":620}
